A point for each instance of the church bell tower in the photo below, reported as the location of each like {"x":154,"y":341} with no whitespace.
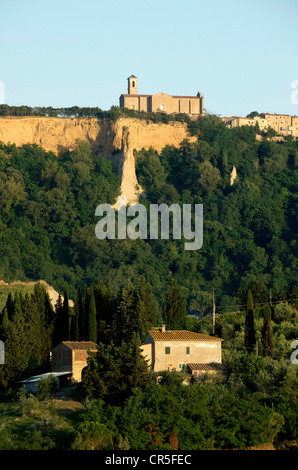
{"x":132,"y":85}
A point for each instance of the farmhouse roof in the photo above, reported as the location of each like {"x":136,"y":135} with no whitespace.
{"x":181,"y":335}
{"x":80,"y":345}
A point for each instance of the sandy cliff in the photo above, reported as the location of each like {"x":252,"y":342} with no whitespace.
{"x":115,"y":140}
{"x":105,"y":136}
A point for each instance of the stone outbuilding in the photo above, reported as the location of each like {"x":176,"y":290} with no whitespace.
{"x":71,"y":356}
{"x":182,"y":350}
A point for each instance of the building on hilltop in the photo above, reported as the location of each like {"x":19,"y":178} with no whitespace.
{"x":161,"y":102}
{"x":283,"y":124}
{"x":182,"y":350}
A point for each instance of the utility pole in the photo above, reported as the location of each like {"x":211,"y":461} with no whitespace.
{"x":213,"y":311}
{"x":270,"y":297}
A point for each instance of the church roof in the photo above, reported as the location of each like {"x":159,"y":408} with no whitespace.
{"x":134,"y":95}
{"x":161,"y":93}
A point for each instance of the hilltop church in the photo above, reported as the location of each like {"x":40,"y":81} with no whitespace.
{"x":161,"y":102}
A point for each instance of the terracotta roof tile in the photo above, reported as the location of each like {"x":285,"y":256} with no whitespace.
{"x":181,"y":335}
{"x":200,"y":366}
{"x":134,"y":95}
{"x":80,"y":344}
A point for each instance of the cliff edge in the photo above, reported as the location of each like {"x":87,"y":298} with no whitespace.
{"x":115,"y":140}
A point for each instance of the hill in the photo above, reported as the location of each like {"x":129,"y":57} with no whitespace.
{"x":26,"y":288}
{"x":48,"y":204}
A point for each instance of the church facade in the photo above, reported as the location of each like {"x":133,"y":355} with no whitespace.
{"x":161,"y":102}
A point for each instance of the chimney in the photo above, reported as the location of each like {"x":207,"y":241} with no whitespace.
{"x":163,"y":328}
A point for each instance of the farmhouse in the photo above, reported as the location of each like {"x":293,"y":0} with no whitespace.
{"x":182,"y":350}
{"x":71,"y":356}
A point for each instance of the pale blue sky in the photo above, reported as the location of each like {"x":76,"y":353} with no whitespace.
{"x":242,"y":55}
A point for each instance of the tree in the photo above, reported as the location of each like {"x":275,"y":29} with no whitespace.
{"x":249,"y":332}
{"x":267,"y":332}
{"x":150,"y":309}
{"x":270,"y":132}
{"x":57,"y":334}
{"x":92,"y":324}
{"x":61,"y":324}
{"x":16,"y":357}
{"x":27,"y":336}
{"x":113,"y":372}
{"x":79,"y":314}
{"x":86,"y":313}
{"x":65,"y":317}
{"x":253,"y":114}
{"x":106,"y":304}
{"x":129,"y":315}
{"x":209,"y":176}
{"x":174,"y":308}
{"x":247,"y":367}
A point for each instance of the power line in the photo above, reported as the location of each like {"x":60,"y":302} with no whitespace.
{"x":222,"y":307}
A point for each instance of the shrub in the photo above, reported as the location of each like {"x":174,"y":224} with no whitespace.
{"x":92,"y":435}
{"x":29,"y":404}
{"x":247,"y":367}
{"x":46,"y":387}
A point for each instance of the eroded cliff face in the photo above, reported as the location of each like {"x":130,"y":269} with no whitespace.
{"x":104,"y":135}
{"x":55,"y":134}
{"x":115,"y":140}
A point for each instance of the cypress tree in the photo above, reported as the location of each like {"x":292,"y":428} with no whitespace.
{"x":9,"y":306}
{"x":249,"y":332}
{"x":4,"y":324}
{"x":129,"y":315}
{"x":150,"y":309}
{"x":174,"y":308}
{"x":65,"y":317}
{"x":86,"y":314}
{"x":79,"y":315}
{"x":16,"y":351}
{"x":267,"y":332}
{"x":92,"y":324}
{"x":72,"y":328}
{"x":106,"y":304}
{"x":58,"y":329}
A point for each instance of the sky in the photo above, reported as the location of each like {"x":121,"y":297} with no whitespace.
{"x":241,"y":55}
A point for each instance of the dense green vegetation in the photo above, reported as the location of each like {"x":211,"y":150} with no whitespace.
{"x":255,"y":404}
{"x":47,"y":213}
{"x":48,"y":204}
{"x":78,"y":112}
{"x":124,"y":407}
{"x":167,"y":416}
{"x":123,"y":287}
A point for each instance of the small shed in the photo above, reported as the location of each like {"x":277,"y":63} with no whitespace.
{"x":199,"y":369}
{"x":30,"y":384}
{"x":71,"y":356}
